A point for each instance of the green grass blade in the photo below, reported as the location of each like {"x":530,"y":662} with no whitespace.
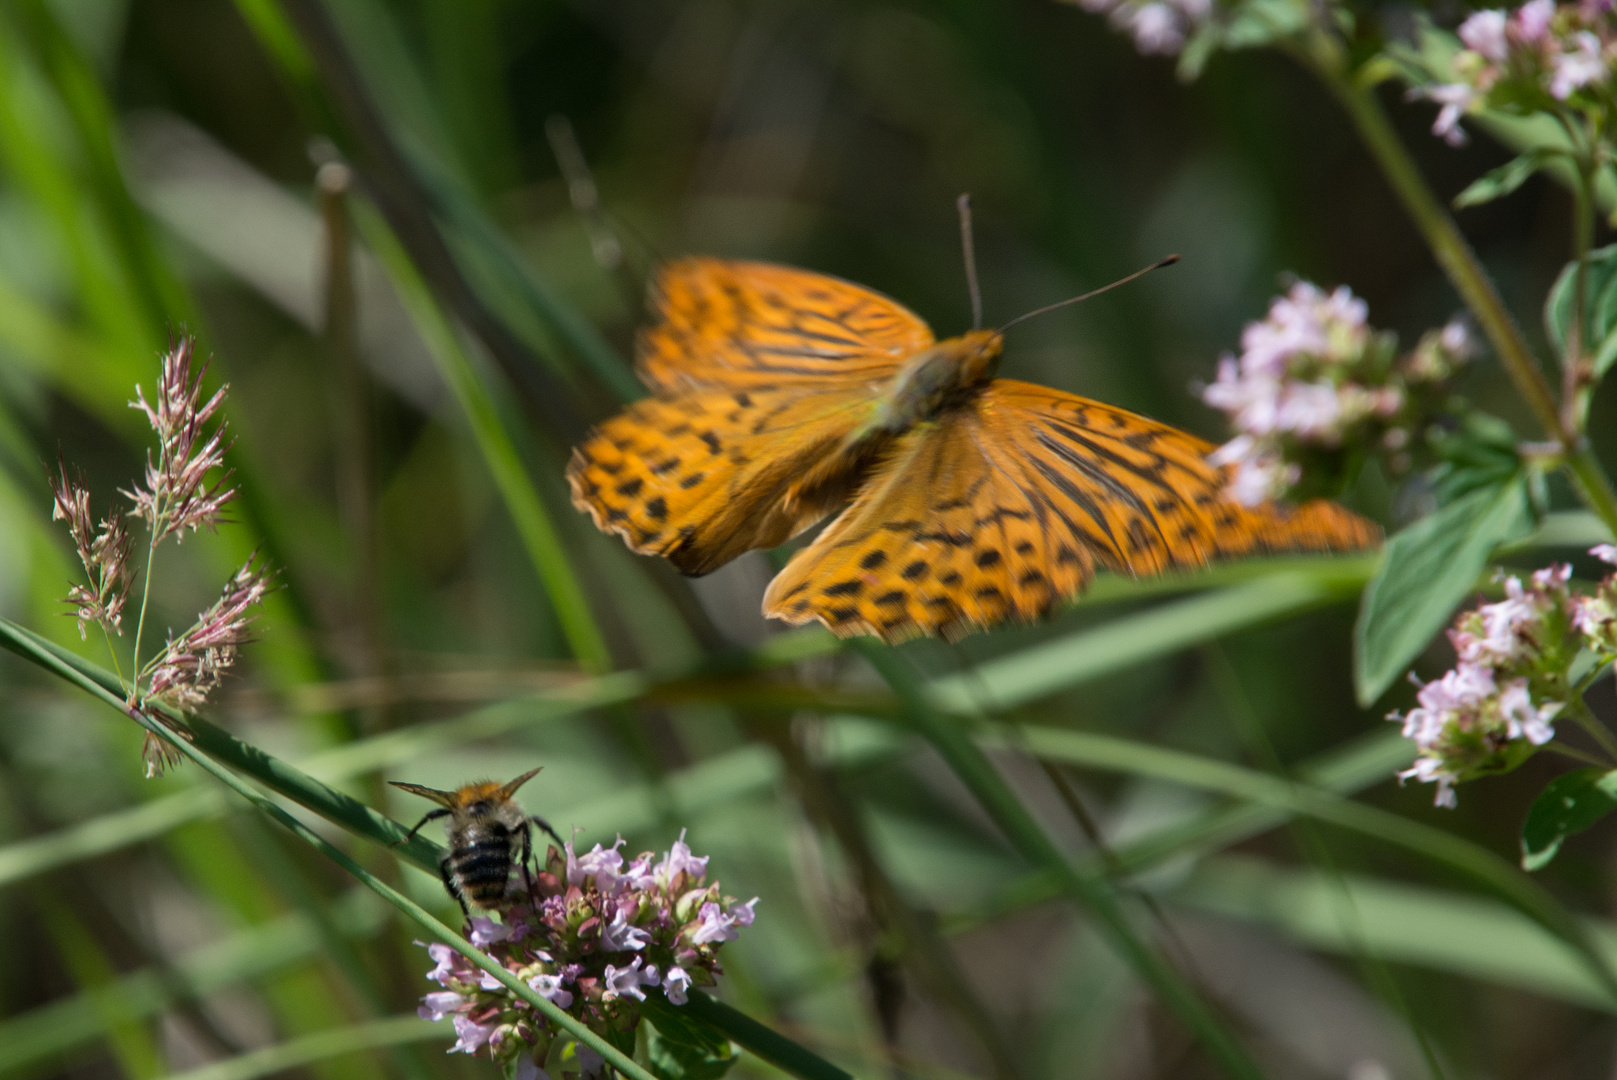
{"x":499,"y":452}
{"x":1497,"y":875}
{"x":1405,"y":923}
{"x":106,"y":833}
{"x":967,"y":762}
{"x":54,"y":1030}
{"x":320,"y":1046}
{"x":1041,"y":670}
{"x":762,"y":1041}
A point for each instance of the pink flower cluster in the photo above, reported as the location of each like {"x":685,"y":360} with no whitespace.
{"x":594,"y":937}
{"x":174,"y":498}
{"x":104,"y":553}
{"x":1158,"y":26}
{"x":1313,"y":382}
{"x":191,"y":666}
{"x":1499,"y":703}
{"x":1538,"y":57}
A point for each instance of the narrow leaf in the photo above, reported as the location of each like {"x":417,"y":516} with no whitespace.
{"x":1568,"y":804}
{"x":1425,"y":572}
{"x":1496,"y":183}
{"x":1600,"y":308}
{"x":683,"y":1047}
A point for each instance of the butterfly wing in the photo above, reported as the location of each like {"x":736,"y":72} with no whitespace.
{"x":1000,"y":509}
{"x":700,"y":478}
{"x":719,"y":322}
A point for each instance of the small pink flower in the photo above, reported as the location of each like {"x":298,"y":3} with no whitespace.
{"x":486,"y":932}
{"x":1156,"y":29}
{"x":601,"y":864}
{"x":550,"y":988}
{"x":1578,"y":68}
{"x":1606,"y":553}
{"x":680,"y":861}
{"x":620,"y":936}
{"x":627,"y":981}
{"x":1456,"y":100}
{"x":1532,"y":21}
{"x":527,"y":1070}
{"x":470,"y":1037}
{"x":1484,"y":32}
{"x":677,"y":985}
{"x":437,"y":1005}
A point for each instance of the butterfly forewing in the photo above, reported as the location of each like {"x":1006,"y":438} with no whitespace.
{"x":698,"y":478}
{"x":1003,"y":507}
{"x":718,"y":322}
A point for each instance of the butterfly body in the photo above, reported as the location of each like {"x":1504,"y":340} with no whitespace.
{"x":946,"y":375}
{"x":782,"y":395}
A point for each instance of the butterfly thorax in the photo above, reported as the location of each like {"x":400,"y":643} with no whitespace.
{"x":939,"y":378}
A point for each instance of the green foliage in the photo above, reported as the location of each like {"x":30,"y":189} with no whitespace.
{"x":1497,"y":183}
{"x":1426,"y":571}
{"x":1568,"y":804}
{"x":1599,"y":339}
{"x":684,"y":1048}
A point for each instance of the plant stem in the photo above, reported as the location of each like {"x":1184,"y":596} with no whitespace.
{"x":140,"y":624}
{"x":1326,"y":57}
{"x":1580,"y":712}
{"x":1576,"y":755}
{"x":1573,"y":364}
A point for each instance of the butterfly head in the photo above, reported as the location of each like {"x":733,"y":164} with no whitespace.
{"x":941,"y":377}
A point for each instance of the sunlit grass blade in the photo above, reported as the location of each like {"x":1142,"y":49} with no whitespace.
{"x":1404,"y":923}
{"x":1040,"y":670}
{"x":1342,"y":771}
{"x":1483,"y":866}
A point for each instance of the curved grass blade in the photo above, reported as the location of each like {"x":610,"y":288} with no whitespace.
{"x":1483,"y":866}
{"x":1095,"y":895}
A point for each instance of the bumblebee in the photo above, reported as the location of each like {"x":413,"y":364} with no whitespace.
{"x":484,"y":820}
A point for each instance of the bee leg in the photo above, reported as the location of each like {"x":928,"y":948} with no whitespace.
{"x":545,"y":825}
{"x":432,"y":815}
{"x":454,"y":889}
{"x":527,"y":853}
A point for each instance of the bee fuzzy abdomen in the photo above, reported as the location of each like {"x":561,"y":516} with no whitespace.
{"x":479,"y":863}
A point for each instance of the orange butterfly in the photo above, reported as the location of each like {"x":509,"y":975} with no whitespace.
{"x":780,"y":395}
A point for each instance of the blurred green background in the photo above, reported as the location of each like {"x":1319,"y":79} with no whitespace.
{"x":158,"y":166}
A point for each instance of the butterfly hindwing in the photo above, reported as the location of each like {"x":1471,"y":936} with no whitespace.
{"x":1001,"y":508}
{"x":699,"y":478}
{"x":718,"y":322}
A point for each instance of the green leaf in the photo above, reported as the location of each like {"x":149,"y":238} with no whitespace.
{"x":683,"y":1047}
{"x":1425,"y":572}
{"x":1600,"y":316}
{"x":1497,"y":183}
{"x":1568,"y":804}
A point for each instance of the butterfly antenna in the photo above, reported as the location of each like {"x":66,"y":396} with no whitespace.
{"x":969,"y":250}
{"x":605,"y":243}
{"x":1158,"y":265}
